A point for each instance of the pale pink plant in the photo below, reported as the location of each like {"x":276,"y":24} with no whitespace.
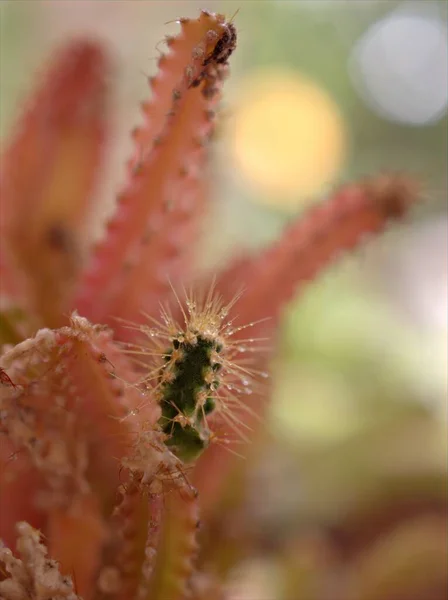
{"x":86,"y":458}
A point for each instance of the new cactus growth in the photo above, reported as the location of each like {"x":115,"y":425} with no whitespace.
{"x":102,"y":422}
{"x":194,"y":370}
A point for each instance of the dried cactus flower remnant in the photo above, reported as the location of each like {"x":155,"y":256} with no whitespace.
{"x":216,"y":60}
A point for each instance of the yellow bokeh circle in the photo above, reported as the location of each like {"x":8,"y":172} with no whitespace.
{"x":287,"y":137}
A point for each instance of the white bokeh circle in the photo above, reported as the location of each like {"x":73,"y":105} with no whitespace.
{"x":400,"y":67}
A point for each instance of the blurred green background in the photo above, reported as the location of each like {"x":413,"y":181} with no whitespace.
{"x":320,"y":92}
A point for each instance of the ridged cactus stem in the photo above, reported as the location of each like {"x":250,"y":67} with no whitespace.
{"x":158,"y":211}
{"x":178,"y":549}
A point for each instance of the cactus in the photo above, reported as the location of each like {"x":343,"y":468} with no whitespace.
{"x":104,"y":408}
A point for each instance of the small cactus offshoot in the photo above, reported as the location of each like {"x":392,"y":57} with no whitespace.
{"x":194,"y":370}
